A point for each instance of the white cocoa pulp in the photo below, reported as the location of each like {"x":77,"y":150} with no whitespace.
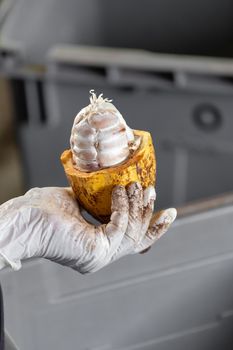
{"x":100,"y":137}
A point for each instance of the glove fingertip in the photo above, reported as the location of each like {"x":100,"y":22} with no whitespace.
{"x":149,"y":196}
{"x":133,"y":187}
{"x":119,"y":199}
{"x":170,"y":215}
{"x":118,"y":190}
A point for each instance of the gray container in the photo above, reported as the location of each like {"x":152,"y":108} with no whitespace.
{"x":178,"y":296}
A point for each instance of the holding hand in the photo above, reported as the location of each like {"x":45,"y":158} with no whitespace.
{"x":46,"y":222}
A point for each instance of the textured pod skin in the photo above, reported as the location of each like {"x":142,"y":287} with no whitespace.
{"x":93,"y":189}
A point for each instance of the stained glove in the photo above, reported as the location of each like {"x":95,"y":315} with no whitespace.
{"x":46,"y":222}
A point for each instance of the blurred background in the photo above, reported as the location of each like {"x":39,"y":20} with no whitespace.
{"x":167,"y":65}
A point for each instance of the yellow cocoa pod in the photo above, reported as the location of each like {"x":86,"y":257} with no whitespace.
{"x":93,"y":189}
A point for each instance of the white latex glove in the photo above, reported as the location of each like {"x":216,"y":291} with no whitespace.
{"x":46,"y":222}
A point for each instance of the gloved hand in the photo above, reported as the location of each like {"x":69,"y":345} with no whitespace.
{"x":46,"y":222}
